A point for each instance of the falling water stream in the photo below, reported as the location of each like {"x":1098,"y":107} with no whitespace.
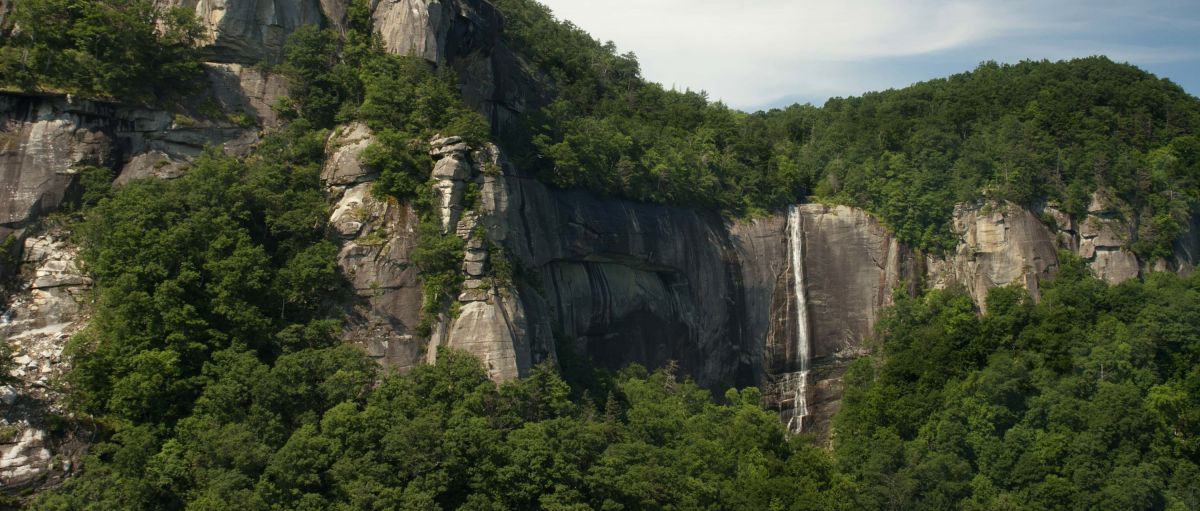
{"x":797,"y":381}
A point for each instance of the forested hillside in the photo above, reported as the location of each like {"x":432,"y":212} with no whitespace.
{"x":1089,"y":399}
{"x":211,"y":376}
{"x":1024,"y":132}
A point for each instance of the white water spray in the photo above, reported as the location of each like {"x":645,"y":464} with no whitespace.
{"x":797,"y":382}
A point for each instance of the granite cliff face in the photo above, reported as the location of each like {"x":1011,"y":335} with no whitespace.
{"x":250,"y":31}
{"x":851,"y":266}
{"x":465,"y":36}
{"x":1004,"y":243}
{"x":999,"y":244}
{"x":45,"y":141}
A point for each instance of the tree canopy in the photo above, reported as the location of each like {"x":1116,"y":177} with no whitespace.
{"x":134,"y":50}
{"x":1027,"y":132}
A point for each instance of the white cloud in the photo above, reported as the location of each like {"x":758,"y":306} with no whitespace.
{"x":750,"y":52}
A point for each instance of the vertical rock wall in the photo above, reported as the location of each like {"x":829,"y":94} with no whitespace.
{"x":999,"y":244}
{"x":253,"y":31}
{"x":463,"y":35}
{"x":852,"y":265}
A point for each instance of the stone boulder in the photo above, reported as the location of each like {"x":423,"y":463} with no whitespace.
{"x":345,"y":147}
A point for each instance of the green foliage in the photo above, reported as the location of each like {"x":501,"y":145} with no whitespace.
{"x":95,"y":184}
{"x":129,"y":49}
{"x":439,"y":257}
{"x":6,"y":366}
{"x":230,"y":254}
{"x":1086,"y":400}
{"x":503,"y":269}
{"x":445,"y":437}
{"x":1027,"y":132}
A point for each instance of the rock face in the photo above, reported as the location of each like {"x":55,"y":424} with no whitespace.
{"x":247,"y":92}
{"x":999,"y":244}
{"x":49,"y":309}
{"x":42,"y":144}
{"x":1104,"y":240}
{"x":377,"y":238}
{"x":465,"y":36}
{"x":851,"y":267}
{"x":252,"y":31}
{"x":1003,"y":243}
{"x":414,"y":27}
{"x":45,"y":140}
{"x":1187,"y":248}
{"x":623,"y":282}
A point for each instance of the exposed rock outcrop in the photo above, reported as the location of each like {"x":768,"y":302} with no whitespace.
{"x":999,"y":244}
{"x":252,"y":31}
{"x":414,"y":27}
{"x":1104,"y":241}
{"x":45,"y":140}
{"x":1187,"y":248}
{"x":378,"y":236}
{"x":247,"y":93}
{"x":44,"y":143}
{"x":465,"y":36}
{"x":34,"y":447}
{"x":623,"y":282}
{"x":851,"y":264}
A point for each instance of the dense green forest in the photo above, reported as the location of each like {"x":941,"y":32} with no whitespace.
{"x":133,"y":50}
{"x":1025,"y":132}
{"x":212,"y":376}
{"x":1089,"y":399}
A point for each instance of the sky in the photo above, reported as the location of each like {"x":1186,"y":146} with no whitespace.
{"x":757,"y":54}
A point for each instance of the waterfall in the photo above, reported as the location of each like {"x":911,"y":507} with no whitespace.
{"x":796,"y":382}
